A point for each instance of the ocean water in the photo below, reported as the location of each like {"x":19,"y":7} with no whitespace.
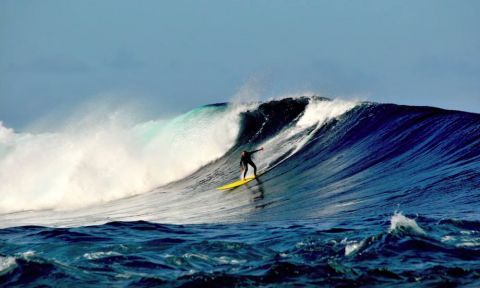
{"x":355,"y":194}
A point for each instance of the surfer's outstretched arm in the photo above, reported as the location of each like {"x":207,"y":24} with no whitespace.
{"x":255,"y":151}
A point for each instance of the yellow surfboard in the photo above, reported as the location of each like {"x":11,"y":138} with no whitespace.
{"x":236,"y":183}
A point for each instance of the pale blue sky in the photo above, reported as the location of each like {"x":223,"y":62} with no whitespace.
{"x":175,"y":55}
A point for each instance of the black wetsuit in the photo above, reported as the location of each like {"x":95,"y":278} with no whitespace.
{"x":247,"y":159}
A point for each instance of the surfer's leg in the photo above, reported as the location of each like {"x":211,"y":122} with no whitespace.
{"x":254,"y":168}
{"x":245,"y":171}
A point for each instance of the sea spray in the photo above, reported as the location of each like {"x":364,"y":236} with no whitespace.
{"x":107,"y":159}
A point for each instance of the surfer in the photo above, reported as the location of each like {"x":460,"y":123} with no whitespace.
{"x":246,"y":158}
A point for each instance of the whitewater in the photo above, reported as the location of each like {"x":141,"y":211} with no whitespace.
{"x":90,"y":163}
{"x":355,"y":193}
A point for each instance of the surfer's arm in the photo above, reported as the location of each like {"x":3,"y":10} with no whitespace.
{"x":255,"y":151}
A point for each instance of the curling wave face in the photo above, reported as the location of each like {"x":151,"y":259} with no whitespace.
{"x":325,"y":158}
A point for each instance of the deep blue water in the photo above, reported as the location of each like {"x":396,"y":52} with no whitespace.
{"x":381,"y":196}
{"x":444,"y":253}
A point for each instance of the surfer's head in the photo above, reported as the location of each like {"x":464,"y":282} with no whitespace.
{"x":243,"y":153}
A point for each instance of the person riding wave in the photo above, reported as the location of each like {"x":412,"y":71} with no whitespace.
{"x":246,"y":158}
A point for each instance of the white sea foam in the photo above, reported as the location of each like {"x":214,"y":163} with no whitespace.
{"x":229,"y":260}
{"x":99,"y":159}
{"x":99,"y":255}
{"x":465,"y":239}
{"x":448,"y":238}
{"x":470,"y":244}
{"x":401,"y":222}
{"x":7,"y":264}
{"x":27,"y":254}
{"x":352,"y":246}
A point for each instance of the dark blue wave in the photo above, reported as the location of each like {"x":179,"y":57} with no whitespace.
{"x":374,"y":159}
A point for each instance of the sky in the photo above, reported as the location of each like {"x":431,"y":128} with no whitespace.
{"x":172,"y":56}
